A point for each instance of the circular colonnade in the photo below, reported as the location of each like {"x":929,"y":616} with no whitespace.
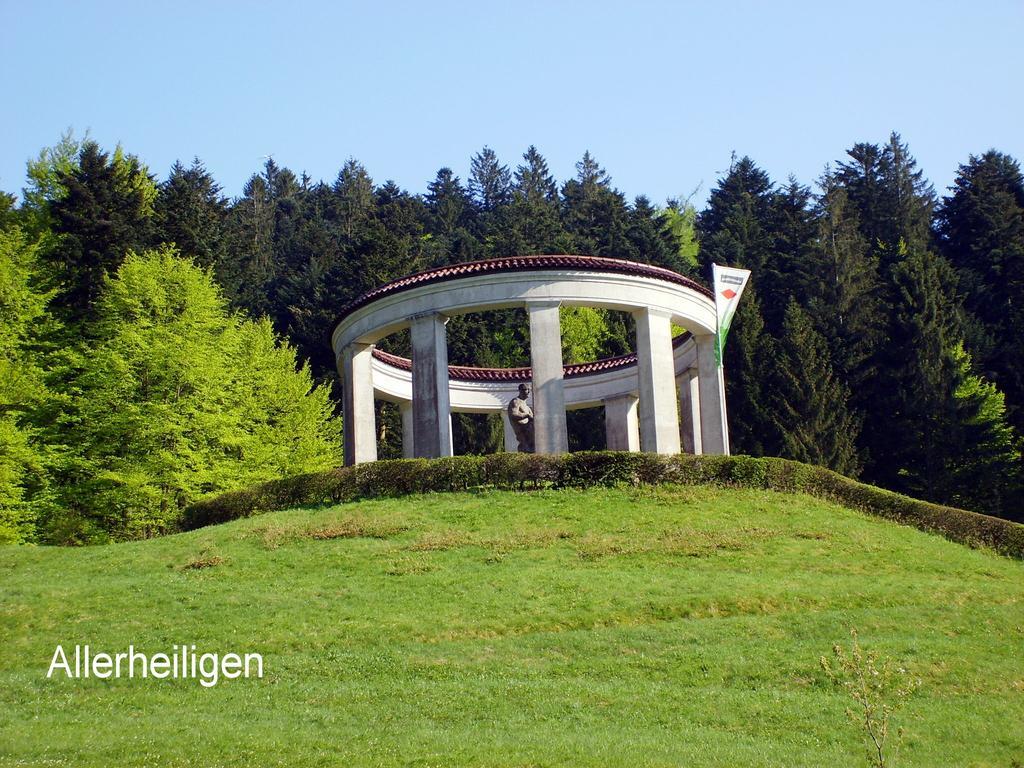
{"x":666,"y":397}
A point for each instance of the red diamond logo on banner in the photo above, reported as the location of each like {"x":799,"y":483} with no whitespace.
{"x":728,"y":293}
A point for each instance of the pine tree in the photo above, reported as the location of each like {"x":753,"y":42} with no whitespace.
{"x":736,"y":230}
{"x":842,"y":289}
{"x":905,"y":386}
{"x":191,"y":214}
{"x":981,"y":230}
{"x":448,"y":202}
{"x":984,"y":471}
{"x":596,"y":215}
{"x":450,"y":217}
{"x":490,"y":182}
{"x":650,"y":240}
{"x":810,"y":403}
{"x":786,"y":274}
{"x":105,"y":210}
{"x":353,"y":193}
{"x":913,"y":410}
{"x":533,"y":223}
{"x":749,"y":361}
{"x":893,"y":200}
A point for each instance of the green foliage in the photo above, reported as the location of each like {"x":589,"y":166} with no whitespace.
{"x":45,"y":173}
{"x":104,"y":209}
{"x":178,"y":398}
{"x":736,"y":230}
{"x":584,"y":334}
{"x":917,"y":379}
{"x":809,"y":402}
{"x":981,"y":231}
{"x":680,"y":222}
{"x":192,"y":214}
{"x":983,"y":470}
{"x":842,"y":285}
{"x":22,"y":318}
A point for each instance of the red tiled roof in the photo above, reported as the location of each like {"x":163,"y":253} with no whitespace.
{"x":470,"y":373}
{"x":522,"y":264}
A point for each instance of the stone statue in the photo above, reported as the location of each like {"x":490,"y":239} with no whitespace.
{"x":521,"y":416}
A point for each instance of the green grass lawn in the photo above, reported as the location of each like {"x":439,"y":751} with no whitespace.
{"x":666,"y":626}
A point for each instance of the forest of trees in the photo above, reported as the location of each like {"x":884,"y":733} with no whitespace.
{"x":160,"y":341}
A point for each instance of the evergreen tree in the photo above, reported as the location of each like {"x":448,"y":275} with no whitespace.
{"x":261,"y":227}
{"x":450,"y":217}
{"x":913,"y":410}
{"x":750,"y":359}
{"x":788,"y":272}
{"x":810,"y":403}
{"x":105,"y":210}
{"x":736,"y":230}
{"x":907,"y":399}
{"x":842,"y":286}
{"x":984,"y":470}
{"x":650,"y":240}
{"x":353,"y":193}
{"x":533,"y":223}
{"x":595,"y":215}
{"x":894,"y":202}
{"x":192,"y":214}
{"x":448,"y":203}
{"x":981,"y":227}
{"x":490,"y":182}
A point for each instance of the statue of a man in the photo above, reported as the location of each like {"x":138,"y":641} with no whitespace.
{"x":521,"y":416}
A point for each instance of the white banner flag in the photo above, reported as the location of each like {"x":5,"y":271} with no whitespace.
{"x":729,"y":285}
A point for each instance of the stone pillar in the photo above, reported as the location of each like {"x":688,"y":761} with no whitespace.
{"x":431,"y":430}
{"x":689,"y":412}
{"x":358,"y":420}
{"x":659,"y":415}
{"x":511,"y":443}
{"x":549,"y":430}
{"x":621,"y":424}
{"x":714,"y":427}
{"x":405,"y":409}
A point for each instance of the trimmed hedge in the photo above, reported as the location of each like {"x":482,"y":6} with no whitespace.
{"x":517,"y":471}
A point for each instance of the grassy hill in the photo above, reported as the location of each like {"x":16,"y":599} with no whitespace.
{"x":607,"y":627}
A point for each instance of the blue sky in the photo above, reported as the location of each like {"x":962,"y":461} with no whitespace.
{"x":660,"y":93}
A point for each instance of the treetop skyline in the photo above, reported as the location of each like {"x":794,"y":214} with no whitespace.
{"x":662,"y":94}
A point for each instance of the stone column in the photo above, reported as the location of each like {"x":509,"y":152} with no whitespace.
{"x":689,"y":411}
{"x":659,"y":415}
{"x":431,"y":409}
{"x":549,"y":430}
{"x":621,"y":424}
{"x":714,"y":427}
{"x":358,"y":420}
{"x":511,"y":443}
{"x":405,"y":409}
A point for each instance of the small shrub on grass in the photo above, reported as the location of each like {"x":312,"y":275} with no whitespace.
{"x":204,"y":561}
{"x":879,"y":688}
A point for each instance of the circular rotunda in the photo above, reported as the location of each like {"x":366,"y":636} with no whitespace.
{"x":666,"y":397}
